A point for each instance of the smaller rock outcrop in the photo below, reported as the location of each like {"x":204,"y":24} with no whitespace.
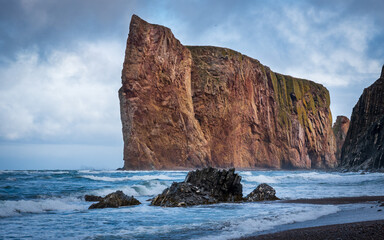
{"x":205,"y":186}
{"x":363,"y":148}
{"x":92,"y":198}
{"x":115,"y":200}
{"x":263,"y":192}
{"x":340,"y":129}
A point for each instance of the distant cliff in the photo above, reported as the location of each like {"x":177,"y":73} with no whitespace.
{"x":364,"y":145}
{"x":340,"y":129}
{"x":187,"y":107}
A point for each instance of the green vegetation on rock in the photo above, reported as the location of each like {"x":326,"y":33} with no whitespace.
{"x":294,"y":96}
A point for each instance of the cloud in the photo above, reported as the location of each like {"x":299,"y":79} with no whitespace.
{"x":61,"y":24}
{"x":328,"y":49}
{"x":70,"y":96}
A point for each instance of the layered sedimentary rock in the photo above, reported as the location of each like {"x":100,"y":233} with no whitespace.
{"x":188,"y":107}
{"x":364,"y":145}
{"x":340,"y":129}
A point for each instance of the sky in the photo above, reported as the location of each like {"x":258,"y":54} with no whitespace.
{"x":61,"y":62}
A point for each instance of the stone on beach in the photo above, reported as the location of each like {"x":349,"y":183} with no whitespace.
{"x":115,"y":200}
{"x":263,"y":192}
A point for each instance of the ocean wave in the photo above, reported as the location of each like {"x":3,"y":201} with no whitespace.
{"x":308,"y":176}
{"x":246,"y":173}
{"x":132,"y":171}
{"x":153,"y":177}
{"x":133,"y":178}
{"x":236,"y":228}
{"x":15,"y":208}
{"x":137,"y":190}
{"x":261,"y":179}
{"x":313,"y":176}
{"x":106,"y":179}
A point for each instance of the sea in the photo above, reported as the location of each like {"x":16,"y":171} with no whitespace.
{"x":50,"y":204}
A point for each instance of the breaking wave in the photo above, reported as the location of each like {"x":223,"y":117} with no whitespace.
{"x":14,"y":208}
{"x":234,"y":229}
{"x":137,"y":190}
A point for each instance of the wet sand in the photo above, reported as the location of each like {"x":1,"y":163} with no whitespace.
{"x":339,"y":200}
{"x":366,"y":221}
{"x":360,"y":230}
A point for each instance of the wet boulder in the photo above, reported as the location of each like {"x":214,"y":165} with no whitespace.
{"x":263,"y":192}
{"x":205,"y":186}
{"x":115,"y":200}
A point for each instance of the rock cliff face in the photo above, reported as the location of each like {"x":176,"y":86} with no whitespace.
{"x":340,"y":129}
{"x":364,"y":145}
{"x":187,"y":107}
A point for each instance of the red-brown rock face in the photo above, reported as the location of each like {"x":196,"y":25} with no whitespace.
{"x":187,"y":107}
{"x":340,"y":129}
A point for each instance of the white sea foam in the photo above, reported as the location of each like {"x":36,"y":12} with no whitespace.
{"x":153,"y":188}
{"x":152,"y":177}
{"x":247,"y":173}
{"x":57,"y":172}
{"x":14,"y":208}
{"x":261,"y":179}
{"x":131,"y":171}
{"x":236,"y":228}
{"x":313,"y":176}
{"x":307,"y":176}
{"x":106,"y":179}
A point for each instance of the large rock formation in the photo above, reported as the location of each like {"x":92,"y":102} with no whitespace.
{"x":205,"y":186}
{"x":188,"y":107}
{"x":340,"y":129}
{"x":364,"y":145}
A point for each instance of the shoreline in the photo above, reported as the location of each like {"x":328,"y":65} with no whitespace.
{"x":356,"y":230}
{"x":336,"y":200}
{"x":359,"y":218}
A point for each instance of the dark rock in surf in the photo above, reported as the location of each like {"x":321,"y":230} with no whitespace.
{"x":115,"y":200}
{"x":92,"y":198}
{"x":205,"y":186}
{"x":263,"y":192}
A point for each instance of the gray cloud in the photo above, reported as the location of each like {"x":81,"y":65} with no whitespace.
{"x":59,"y":24}
{"x":68,"y":97}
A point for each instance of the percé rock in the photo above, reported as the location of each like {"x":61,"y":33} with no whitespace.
{"x":262,"y":192}
{"x":193,"y":106}
{"x":340,"y":129}
{"x":363,"y":148}
{"x":115,"y":200}
{"x":205,"y":186}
